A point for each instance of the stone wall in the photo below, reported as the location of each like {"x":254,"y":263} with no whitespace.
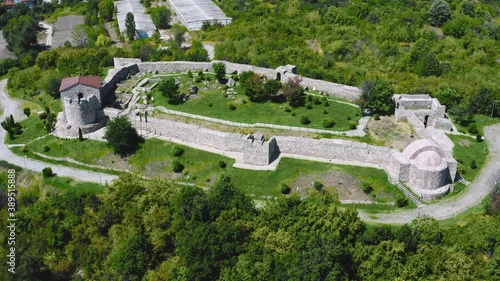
{"x":336,"y":149}
{"x":333,"y":89}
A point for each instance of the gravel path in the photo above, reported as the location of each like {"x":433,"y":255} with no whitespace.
{"x":473,"y":195}
{"x":13,"y":106}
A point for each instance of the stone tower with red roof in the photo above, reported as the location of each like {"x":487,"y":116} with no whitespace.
{"x":81,"y":99}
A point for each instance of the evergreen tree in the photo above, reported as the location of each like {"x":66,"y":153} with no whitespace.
{"x":439,"y":13}
{"x":130,"y":26}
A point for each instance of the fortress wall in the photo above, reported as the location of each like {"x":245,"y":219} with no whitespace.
{"x":332,"y":89}
{"x":173,"y":66}
{"x":239,"y":68}
{"x":343,"y":150}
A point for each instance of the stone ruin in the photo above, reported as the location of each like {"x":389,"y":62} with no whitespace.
{"x":259,"y":151}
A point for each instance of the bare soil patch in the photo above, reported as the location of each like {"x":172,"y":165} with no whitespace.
{"x":391,"y":133}
{"x":346,"y":186}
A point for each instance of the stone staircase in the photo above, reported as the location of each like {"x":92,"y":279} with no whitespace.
{"x":410,"y":195}
{"x":464,"y":181}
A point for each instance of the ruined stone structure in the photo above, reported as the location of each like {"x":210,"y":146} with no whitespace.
{"x":82,"y":104}
{"x":421,"y":111}
{"x":425,"y":167}
{"x":259,"y":151}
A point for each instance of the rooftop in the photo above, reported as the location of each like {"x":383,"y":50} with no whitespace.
{"x":91,"y":81}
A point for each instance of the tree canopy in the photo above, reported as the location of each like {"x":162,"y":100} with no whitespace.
{"x":122,"y":136}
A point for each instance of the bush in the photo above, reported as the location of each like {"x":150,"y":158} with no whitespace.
{"x":210,"y":104}
{"x":177,"y":151}
{"x":328,"y":123}
{"x":402,"y":202}
{"x":294,"y":114}
{"x":177,"y":166}
{"x":473,"y":129}
{"x":46,"y":148}
{"x":197,"y":79}
{"x":326,"y":103}
{"x":80,"y":134}
{"x":479,"y":137}
{"x":473,"y":164}
{"x":225,"y":87}
{"x":284,"y":188}
{"x":288,"y":109}
{"x":348,"y":117}
{"x":47,"y":172}
{"x":304,"y":120}
{"x":318,"y":185}
{"x":317,"y":101}
{"x":189,"y":74}
{"x":309,"y":105}
{"x":325,"y":111}
{"x":352,"y":125}
{"x":222,"y":164}
{"x":366,"y":187}
{"x":232,"y":107}
{"x":376,"y":117}
{"x":27,"y":111}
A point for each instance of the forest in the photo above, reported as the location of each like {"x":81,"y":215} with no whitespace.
{"x":138,"y":229}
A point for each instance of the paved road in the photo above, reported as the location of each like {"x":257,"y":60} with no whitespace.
{"x":13,"y":106}
{"x":473,"y":195}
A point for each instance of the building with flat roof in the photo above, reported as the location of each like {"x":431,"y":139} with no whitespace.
{"x":194,"y":12}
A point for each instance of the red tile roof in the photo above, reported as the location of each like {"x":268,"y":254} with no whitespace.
{"x":8,"y":3}
{"x":91,"y":81}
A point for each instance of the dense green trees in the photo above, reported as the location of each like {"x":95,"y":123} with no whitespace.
{"x":377,"y":96}
{"x":154,"y":230}
{"x":161,"y":17}
{"x":20,"y":34}
{"x":122,"y":136}
{"x":170,"y":89}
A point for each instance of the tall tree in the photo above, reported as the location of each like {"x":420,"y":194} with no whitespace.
{"x":20,"y":34}
{"x":161,"y":17}
{"x":439,"y":13}
{"x":220,"y":71}
{"x":377,"y":95}
{"x":170,"y":90}
{"x":130,"y":26}
{"x":122,"y":136}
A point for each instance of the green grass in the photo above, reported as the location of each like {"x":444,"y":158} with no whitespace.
{"x":465,"y":150}
{"x":481,"y":121}
{"x":87,"y":151}
{"x":251,"y":113}
{"x":32,"y":129}
{"x":70,"y":185}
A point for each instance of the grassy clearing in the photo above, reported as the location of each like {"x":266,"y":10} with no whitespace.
{"x":87,"y":151}
{"x":32,"y":129}
{"x":154,"y":159}
{"x":70,"y":185}
{"x":481,"y":121}
{"x":249,"y":112}
{"x":465,"y":151}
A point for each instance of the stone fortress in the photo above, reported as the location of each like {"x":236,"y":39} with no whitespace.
{"x":426,"y":166}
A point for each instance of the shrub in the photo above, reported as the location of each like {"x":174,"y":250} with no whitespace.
{"x":46,"y":148}
{"x":402,"y":202}
{"x":328,"y":123}
{"x":326,"y":103}
{"x":232,"y":107}
{"x":352,"y":125}
{"x":222,"y":164}
{"x":304,"y":120}
{"x":318,"y":185}
{"x":479,"y":137}
{"x":325,"y":111}
{"x":177,"y":151}
{"x":210,"y":104}
{"x":244,"y":101}
{"x":197,"y":79}
{"x":27,"y":111}
{"x":376,"y":117}
{"x":309,"y":105}
{"x":177,"y":166}
{"x":473,"y":129}
{"x":317,"y":101}
{"x":348,"y":117}
{"x":284,"y":188}
{"x":461,"y":168}
{"x":310,"y":98}
{"x":200,"y":72}
{"x":24,"y":149}
{"x":80,"y":134}
{"x":225,"y":87}
{"x":288,"y":109}
{"x":190,"y":74}
{"x":47,"y":172}
{"x":294,"y":114}
{"x":473,"y":164}
{"x":366,"y":187}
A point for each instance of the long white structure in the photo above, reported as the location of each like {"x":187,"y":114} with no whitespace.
{"x":143,"y":22}
{"x":194,"y":12}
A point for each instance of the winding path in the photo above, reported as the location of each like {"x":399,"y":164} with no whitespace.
{"x":473,"y":195}
{"x":13,"y":106}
